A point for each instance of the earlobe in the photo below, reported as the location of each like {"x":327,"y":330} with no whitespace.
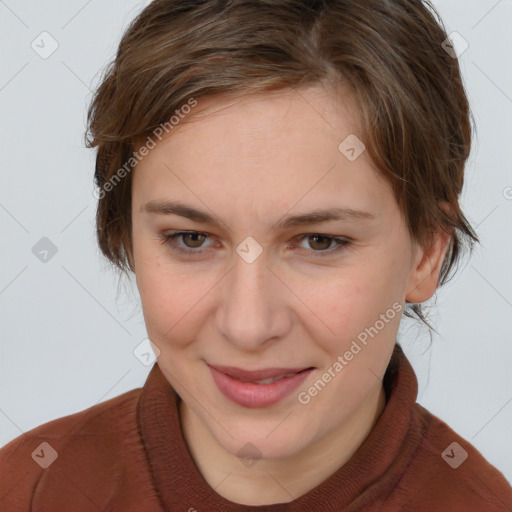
{"x":424,"y":278}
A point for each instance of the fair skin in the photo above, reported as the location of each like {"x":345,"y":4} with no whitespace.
{"x":249,"y":163}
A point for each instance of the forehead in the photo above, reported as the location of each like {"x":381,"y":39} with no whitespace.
{"x":332,"y":107}
{"x":273,"y":148}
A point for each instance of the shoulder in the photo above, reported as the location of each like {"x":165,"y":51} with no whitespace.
{"x":448,"y":473}
{"x":78,"y":449}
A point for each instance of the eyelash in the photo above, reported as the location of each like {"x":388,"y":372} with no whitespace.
{"x":169,"y":239}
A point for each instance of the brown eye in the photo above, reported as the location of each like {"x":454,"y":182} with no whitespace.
{"x":320,"y":245}
{"x":195,"y":239}
{"x":186,"y":242}
{"x":319,"y":242}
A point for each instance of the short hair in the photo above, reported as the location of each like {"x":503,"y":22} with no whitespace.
{"x":414,"y":113}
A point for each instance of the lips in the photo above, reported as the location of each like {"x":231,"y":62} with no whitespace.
{"x":263,"y":376}
{"x":258,"y":388}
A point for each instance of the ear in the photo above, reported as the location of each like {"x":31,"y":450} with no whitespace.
{"x":424,"y":277}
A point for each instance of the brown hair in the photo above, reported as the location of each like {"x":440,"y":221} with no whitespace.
{"x":416,"y":120}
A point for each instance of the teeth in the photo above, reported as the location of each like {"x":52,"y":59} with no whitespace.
{"x":269,"y":381}
{"x":266,"y":381}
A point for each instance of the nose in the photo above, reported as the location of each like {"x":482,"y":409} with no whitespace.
{"x":253,"y":310}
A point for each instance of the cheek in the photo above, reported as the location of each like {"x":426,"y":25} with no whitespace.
{"x":156,"y":289}
{"x":163,"y":297}
{"x":173,"y":301}
{"x":346,"y":308}
{"x":341,"y":305}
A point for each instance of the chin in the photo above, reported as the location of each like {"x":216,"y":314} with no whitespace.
{"x":251,"y":442}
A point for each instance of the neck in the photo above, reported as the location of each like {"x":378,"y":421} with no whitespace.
{"x":271,"y":481}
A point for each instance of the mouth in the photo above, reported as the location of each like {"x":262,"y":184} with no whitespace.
{"x":258,"y":388}
{"x":263,"y":376}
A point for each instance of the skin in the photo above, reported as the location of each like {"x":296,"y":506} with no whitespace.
{"x":251,"y":162}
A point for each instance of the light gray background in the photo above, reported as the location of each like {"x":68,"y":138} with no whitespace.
{"x":68,"y":333}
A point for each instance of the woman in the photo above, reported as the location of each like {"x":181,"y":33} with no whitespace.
{"x":282,"y":177}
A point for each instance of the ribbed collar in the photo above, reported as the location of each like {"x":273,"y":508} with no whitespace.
{"x":373,"y":469}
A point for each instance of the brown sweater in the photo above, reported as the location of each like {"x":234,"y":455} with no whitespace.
{"x":129,"y":454}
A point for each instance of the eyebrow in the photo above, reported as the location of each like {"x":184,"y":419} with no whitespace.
{"x":164,"y":207}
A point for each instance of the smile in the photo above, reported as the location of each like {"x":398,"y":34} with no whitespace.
{"x":257,"y":388}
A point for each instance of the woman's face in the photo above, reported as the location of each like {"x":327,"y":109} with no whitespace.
{"x":254,"y":289}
